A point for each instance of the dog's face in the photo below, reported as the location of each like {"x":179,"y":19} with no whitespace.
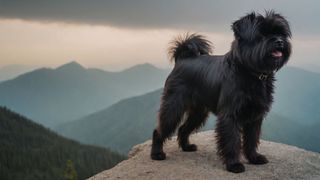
{"x":262,"y":43}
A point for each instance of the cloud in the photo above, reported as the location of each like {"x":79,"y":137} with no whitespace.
{"x":203,"y":15}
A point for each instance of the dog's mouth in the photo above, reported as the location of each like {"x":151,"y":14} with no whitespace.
{"x":276,"y":54}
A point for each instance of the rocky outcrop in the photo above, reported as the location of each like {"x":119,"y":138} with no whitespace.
{"x":286,"y":162}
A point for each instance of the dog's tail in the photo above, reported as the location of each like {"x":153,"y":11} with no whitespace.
{"x":189,"y":46}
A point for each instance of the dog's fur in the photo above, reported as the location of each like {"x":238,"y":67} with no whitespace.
{"x":237,"y":87}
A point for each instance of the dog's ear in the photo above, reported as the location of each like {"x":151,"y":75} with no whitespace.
{"x":244,"y":28}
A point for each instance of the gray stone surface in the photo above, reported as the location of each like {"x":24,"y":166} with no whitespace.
{"x":286,"y":162}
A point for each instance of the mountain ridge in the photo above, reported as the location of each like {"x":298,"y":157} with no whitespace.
{"x":11,"y":71}
{"x":52,"y":96}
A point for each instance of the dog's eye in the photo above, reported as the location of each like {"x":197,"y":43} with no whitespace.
{"x":282,"y":35}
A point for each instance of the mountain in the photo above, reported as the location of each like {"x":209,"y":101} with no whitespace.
{"x":297,"y":95}
{"x":30,"y":151}
{"x":131,"y":121}
{"x":282,"y":129}
{"x":120,"y":126}
{"x":12,"y":71}
{"x":54,"y":96}
{"x":313,"y":67}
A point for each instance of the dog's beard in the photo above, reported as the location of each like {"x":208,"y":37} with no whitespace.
{"x":280,"y":56}
{"x":277,"y":58}
{"x":270,"y":58}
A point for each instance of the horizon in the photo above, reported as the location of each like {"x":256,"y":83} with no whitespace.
{"x":85,"y":67}
{"x":123,"y":68}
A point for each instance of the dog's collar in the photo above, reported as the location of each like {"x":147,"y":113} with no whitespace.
{"x":263,"y":76}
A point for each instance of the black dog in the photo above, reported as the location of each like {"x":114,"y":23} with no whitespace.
{"x":236,"y":87}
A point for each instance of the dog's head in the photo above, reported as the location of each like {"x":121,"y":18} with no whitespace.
{"x":262,"y":43}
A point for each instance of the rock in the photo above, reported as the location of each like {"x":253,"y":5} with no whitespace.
{"x":286,"y":162}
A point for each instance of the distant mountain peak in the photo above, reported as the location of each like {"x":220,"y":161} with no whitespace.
{"x":142,"y":67}
{"x":146,"y":65}
{"x":73,"y":65}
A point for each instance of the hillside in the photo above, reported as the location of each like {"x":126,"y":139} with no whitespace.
{"x":120,"y":126}
{"x":297,"y":95}
{"x":285,"y":162}
{"x":131,"y":121}
{"x":30,"y":151}
{"x":54,"y":96}
{"x":290,"y":131}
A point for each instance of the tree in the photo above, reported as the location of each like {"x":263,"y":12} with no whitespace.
{"x":70,"y":173}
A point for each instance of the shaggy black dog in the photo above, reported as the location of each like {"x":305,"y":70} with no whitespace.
{"x":237,"y":87}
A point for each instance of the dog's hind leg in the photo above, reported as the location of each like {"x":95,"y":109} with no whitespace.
{"x":170,"y":115}
{"x":196,"y":118}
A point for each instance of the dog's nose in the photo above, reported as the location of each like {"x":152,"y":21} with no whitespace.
{"x":279,"y":43}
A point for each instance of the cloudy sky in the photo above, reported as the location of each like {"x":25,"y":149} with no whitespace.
{"x":114,"y":34}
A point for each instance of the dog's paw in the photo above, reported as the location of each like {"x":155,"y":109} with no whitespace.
{"x":235,"y":168}
{"x":189,"y":148}
{"x":158,"y":156}
{"x":258,"y":159}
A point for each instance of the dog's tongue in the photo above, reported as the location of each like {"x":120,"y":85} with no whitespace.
{"x":277,"y":54}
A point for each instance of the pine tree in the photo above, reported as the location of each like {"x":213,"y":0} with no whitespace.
{"x":70,"y":173}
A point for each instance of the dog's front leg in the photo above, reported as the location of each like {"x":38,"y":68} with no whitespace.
{"x":229,"y":143}
{"x":251,"y":135}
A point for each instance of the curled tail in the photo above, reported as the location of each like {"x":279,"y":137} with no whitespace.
{"x":189,"y":46}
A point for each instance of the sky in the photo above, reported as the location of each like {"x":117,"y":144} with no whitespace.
{"x":115,"y":34}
